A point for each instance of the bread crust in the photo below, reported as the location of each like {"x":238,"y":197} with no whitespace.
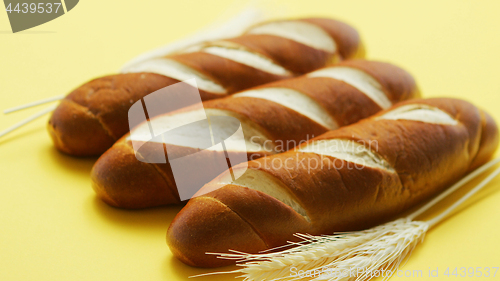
{"x":93,"y":116}
{"x":308,"y":60}
{"x":217,"y":68}
{"x":347,"y":38}
{"x":393,"y":80}
{"x":117,"y":160}
{"x":343,"y":102}
{"x":225,"y":220}
{"x":279,"y":122}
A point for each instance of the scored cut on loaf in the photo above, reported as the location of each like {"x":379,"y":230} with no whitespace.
{"x":93,"y":116}
{"x":274,"y":117}
{"x":349,"y":179}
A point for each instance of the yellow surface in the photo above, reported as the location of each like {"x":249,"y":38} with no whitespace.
{"x":53,"y":228}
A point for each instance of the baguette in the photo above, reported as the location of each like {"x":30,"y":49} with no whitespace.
{"x":348,"y":179}
{"x":273,"y":116}
{"x":93,"y":116}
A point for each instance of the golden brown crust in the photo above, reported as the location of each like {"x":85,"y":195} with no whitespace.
{"x":398,"y":84}
{"x":225,"y":221}
{"x":144,"y":186}
{"x":489,"y":140}
{"x":233,"y":75}
{"x":345,"y":103}
{"x":93,"y":116}
{"x":346,"y":37}
{"x":271,"y":232}
{"x":425,"y":157}
{"x":311,"y":178}
{"x":123,"y":180}
{"x":308,"y":60}
{"x":278,"y":121}
{"x":76,"y":131}
{"x":110,"y":97}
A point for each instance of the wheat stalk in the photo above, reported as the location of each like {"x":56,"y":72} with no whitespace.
{"x":334,"y":257}
{"x":359,"y":255}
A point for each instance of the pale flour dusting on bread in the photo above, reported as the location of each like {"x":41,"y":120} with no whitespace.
{"x":254,"y":139}
{"x":248,"y":58}
{"x":253,"y":136}
{"x":179,"y":71}
{"x":265,"y":183}
{"x":358,"y":79}
{"x":298,"y":31}
{"x":420,"y":112}
{"x":296,"y":101}
{"x":347,"y":150}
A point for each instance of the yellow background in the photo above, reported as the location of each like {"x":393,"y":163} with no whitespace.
{"x":53,"y":228}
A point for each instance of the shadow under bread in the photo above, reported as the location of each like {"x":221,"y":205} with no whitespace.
{"x":151,"y":218}
{"x":13,"y":136}
{"x":71,"y":164}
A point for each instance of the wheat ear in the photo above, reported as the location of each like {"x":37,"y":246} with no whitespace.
{"x":375,"y":252}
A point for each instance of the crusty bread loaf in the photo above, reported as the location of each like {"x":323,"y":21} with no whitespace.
{"x":275,"y":117}
{"x":93,"y":116}
{"x":348,"y":179}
